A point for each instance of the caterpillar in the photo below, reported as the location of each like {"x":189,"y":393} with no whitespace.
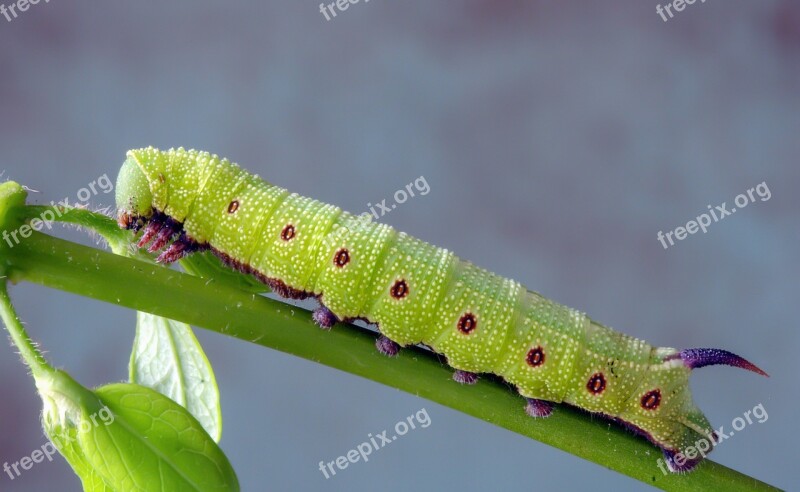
{"x":185,"y":201}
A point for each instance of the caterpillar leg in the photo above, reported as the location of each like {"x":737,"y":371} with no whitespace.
{"x":183,"y":246}
{"x":386,"y":346}
{"x":538,"y":408}
{"x":687,"y":464}
{"x":324,"y":317}
{"x":465,"y":377}
{"x":151,"y":229}
{"x":161,"y":229}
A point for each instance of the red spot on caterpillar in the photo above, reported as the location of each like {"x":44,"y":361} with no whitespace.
{"x":467,"y":323}
{"x":399,"y":290}
{"x":187,"y":245}
{"x":652,"y":399}
{"x":288,"y":232}
{"x":341,"y":258}
{"x":233,"y":207}
{"x":535,"y":356}
{"x":597,"y":383}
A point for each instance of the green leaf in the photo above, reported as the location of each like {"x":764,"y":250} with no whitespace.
{"x":128,"y":437}
{"x":168,"y":358}
{"x":155,"y":444}
{"x":121,"y":436}
{"x":64,"y":439}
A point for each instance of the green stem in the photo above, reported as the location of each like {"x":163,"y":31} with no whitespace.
{"x":27,"y":349}
{"x":118,"y":239}
{"x":89,"y":272}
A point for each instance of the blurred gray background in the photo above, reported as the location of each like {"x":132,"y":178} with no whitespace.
{"x":557,"y":139}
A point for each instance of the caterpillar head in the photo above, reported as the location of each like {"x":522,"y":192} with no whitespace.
{"x":134,"y":197}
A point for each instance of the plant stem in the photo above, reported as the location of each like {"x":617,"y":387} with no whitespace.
{"x":118,"y":239}
{"x":27,"y":349}
{"x":89,"y":272}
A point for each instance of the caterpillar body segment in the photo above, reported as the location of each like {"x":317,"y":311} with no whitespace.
{"x":416,"y":293}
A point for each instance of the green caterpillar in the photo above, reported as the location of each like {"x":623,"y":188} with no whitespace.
{"x":416,"y":293}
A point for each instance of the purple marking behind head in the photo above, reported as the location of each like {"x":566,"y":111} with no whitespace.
{"x":701,"y":357}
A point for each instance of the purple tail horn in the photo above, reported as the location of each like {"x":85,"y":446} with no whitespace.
{"x":701,"y":357}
